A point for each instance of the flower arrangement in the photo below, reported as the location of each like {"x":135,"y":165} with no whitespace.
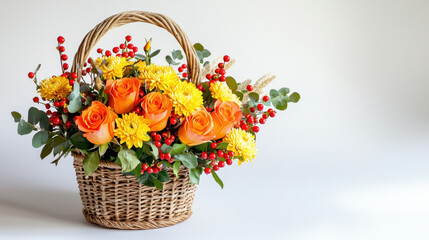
{"x":147,"y":118}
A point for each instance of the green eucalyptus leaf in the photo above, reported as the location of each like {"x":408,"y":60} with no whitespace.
{"x":90,"y":162}
{"x":232,"y":84}
{"x":254,"y":97}
{"x":46,"y":150}
{"x":178,"y":148}
{"x":75,"y":99}
{"x":24,"y":127}
{"x":206,"y":53}
{"x":166,"y":148}
{"x":239,"y":95}
{"x":128,"y":159}
{"x":198,"y":47}
{"x":284,"y":91}
{"x":294,"y":97}
{"x":40,"y":139}
{"x":188,"y":159}
{"x":16,"y":116}
{"x":154,"y":53}
{"x":34,"y":115}
{"x":44,"y":121}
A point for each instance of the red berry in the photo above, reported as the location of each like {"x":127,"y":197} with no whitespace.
{"x":141,"y":93}
{"x":207,"y":170}
{"x":252,"y":109}
{"x":125,"y":54}
{"x":226,"y":58}
{"x":167,"y":156}
{"x":249,"y":88}
{"x":36,"y":99}
{"x":215,"y":167}
{"x":108,"y":53}
{"x":270,"y":110}
{"x":31,"y":75}
{"x":128,"y":38}
{"x":220,"y":153}
{"x":155,"y":170}
{"x":168,"y":141}
{"x":65,"y":66}
{"x":222,"y":78}
{"x":209,"y":76}
{"x":272,"y":114}
{"x":262,"y":121}
{"x":222,"y":71}
{"x":212,"y":156}
{"x":158,"y":144}
{"x":173,"y":121}
{"x":214,"y":145}
{"x":99,"y":50}
{"x":57,"y":121}
{"x":208,"y":109}
{"x":68,"y":124}
{"x":231,"y":153}
{"x":217,"y":70}
{"x":248,"y":115}
{"x":47,"y":105}
{"x":184,"y":66}
{"x":66,"y":110}
{"x":135,"y":49}
{"x":164,"y":135}
{"x":56,"y":104}
{"x":153,"y":134}
{"x":138,"y":110}
{"x":265,"y":116}
{"x":61,"y":39}
{"x":130,"y":46}
{"x":119,"y":55}
{"x":260,"y":107}
{"x":245,"y":127}
{"x":132,"y":54}
{"x":49,"y":112}
{"x":64,"y":57}
{"x":161,"y":155}
{"x":266,"y":98}
{"x":88,"y":70}
{"x":122,"y":46}
{"x":61,"y":48}
{"x":255,"y":129}
{"x":200,"y":87}
{"x":144,"y":166}
{"x":203,"y":155}
{"x":185,"y":75}
{"x":229,"y":161}
{"x":172,"y":137}
{"x":74,"y":75}
{"x":250,"y":120}
{"x":149,"y":170}
{"x":71,"y":82}
{"x":115,"y":50}
{"x":220,"y":65}
{"x":221,"y":164}
{"x":158,"y":137}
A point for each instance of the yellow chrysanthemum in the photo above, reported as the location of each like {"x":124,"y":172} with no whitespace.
{"x":132,"y":129}
{"x":186,"y":98}
{"x":242,"y":144}
{"x":222,"y":92}
{"x":55,"y":88}
{"x":157,"y":77}
{"x":113,"y":67}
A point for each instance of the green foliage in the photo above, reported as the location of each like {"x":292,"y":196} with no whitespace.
{"x":40,"y":139}
{"x":176,"y":168}
{"x":156,"y":182}
{"x":24,"y":127}
{"x":128,"y":160}
{"x":34,"y":115}
{"x":103,"y":148}
{"x":254,"y":97}
{"x":232,"y":84}
{"x":75,"y":99}
{"x":194,"y":175}
{"x":280,"y":98}
{"x":187,"y":159}
{"x":90,"y":162}
{"x":201,"y":52}
{"x":294,"y":97}
{"x":239,"y":95}
{"x":217,"y":179}
{"x":163,"y":176}
{"x":166,"y":148}
{"x":154,"y":53}
{"x":178,"y":148}
{"x":79,"y":141}
{"x":44,"y":122}
{"x":16,"y":116}
{"x":46,"y":150}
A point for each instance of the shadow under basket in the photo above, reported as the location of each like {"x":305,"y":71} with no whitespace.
{"x":114,"y":200}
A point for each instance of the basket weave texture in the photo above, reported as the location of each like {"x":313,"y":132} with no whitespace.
{"x":114,"y":200}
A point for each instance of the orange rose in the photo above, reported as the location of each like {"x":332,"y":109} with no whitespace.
{"x":225,"y":115}
{"x":123,"y":94}
{"x":157,"y":108}
{"x":98,"y":122}
{"x":197,"y":128}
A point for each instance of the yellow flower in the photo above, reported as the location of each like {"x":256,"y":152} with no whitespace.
{"x":157,"y":77}
{"x":186,"y":98}
{"x":112,"y":67}
{"x":132,"y":129}
{"x":55,"y":88}
{"x":222,"y":92}
{"x":242,"y":144}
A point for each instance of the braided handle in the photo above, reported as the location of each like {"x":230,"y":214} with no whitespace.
{"x":123,"y":18}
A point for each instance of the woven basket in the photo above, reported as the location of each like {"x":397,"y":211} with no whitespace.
{"x":114,"y":200}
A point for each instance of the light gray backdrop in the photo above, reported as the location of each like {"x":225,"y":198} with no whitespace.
{"x":350,"y":161}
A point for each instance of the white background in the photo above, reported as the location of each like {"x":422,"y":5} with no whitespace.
{"x":349,"y":161}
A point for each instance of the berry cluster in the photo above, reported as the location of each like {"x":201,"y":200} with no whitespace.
{"x":219,"y":72}
{"x":183,"y":70}
{"x":216,"y":158}
{"x":125,"y":49}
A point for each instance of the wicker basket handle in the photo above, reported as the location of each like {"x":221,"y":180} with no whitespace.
{"x":123,"y":18}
